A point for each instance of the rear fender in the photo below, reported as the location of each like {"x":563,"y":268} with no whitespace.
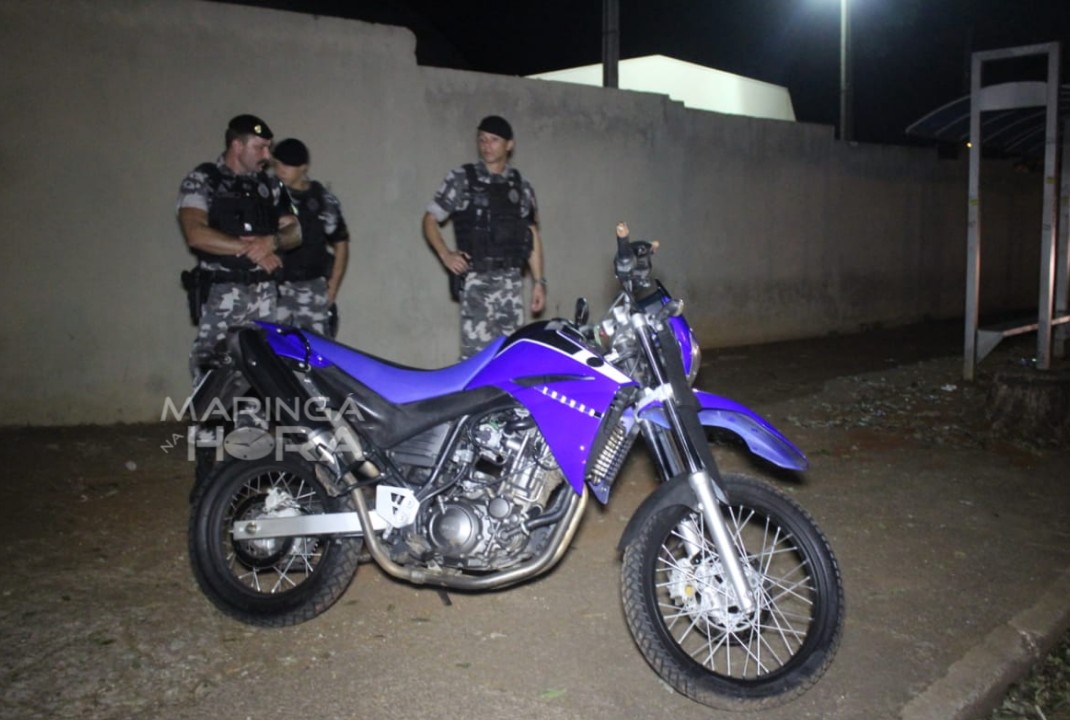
{"x":761,"y":438}
{"x":213,"y":399}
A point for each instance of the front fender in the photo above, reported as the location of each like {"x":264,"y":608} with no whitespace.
{"x":676,"y":491}
{"x":761,"y":438}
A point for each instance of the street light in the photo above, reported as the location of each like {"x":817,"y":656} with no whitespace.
{"x":846,"y":120}
{"x":610,"y":42}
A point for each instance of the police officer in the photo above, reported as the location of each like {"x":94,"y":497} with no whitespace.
{"x":495,"y":222}
{"x":235,"y":218}
{"x":311,"y":274}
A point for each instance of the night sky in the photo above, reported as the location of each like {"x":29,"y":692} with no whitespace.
{"x":908,"y":56}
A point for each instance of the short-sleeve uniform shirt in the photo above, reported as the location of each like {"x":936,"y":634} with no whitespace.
{"x":453,"y":195}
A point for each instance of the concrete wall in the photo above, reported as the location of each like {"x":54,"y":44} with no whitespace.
{"x":771,"y":230}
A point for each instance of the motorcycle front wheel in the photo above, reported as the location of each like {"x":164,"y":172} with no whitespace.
{"x":684,"y":615}
{"x":273,"y":582}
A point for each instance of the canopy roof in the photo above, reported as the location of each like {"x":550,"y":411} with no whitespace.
{"x":1015,"y":132}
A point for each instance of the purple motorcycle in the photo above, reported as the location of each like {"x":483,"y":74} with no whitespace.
{"x":314,"y":456}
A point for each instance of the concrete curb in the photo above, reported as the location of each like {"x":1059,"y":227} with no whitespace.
{"x":975,"y":684}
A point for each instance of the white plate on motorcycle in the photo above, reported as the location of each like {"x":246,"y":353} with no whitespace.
{"x":397,"y":506}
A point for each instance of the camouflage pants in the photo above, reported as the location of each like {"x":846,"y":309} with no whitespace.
{"x":229,"y":304}
{"x":303,"y":303}
{"x":492,"y":304}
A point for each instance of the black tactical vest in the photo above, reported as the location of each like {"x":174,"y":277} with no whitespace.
{"x":241,"y":205}
{"x":310,"y":259}
{"x":491,"y":229}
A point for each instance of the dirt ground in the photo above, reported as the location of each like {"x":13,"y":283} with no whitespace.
{"x":942,"y":527}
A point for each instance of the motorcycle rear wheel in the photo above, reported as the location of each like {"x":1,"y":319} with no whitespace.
{"x":684,"y":617}
{"x":275,"y":582}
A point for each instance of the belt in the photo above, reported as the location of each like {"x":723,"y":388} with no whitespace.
{"x":301,"y":274}
{"x":489,"y":264}
{"x":239,"y":277}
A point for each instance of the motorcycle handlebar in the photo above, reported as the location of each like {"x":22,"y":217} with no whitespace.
{"x":633,"y":265}
{"x":624,"y":261}
{"x":624,"y":249}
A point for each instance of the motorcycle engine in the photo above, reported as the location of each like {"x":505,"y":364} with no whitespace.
{"x":506,"y":478}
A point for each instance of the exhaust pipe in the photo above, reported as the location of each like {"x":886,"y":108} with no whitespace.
{"x":554,"y":551}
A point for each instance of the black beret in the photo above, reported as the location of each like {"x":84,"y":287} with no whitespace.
{"x":291,"y":152}
{"x":496,"y":125}
{"x":250,"y":125}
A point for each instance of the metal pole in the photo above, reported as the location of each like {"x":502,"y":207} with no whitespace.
{"x":846,"y":121}
{"x":1062,"y":253}
{"x":973,"y":225}
{"x":1049,"y":226}
{"x":610,"y":42}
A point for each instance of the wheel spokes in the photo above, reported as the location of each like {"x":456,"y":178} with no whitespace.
{"x":275,"y":565}
{"x":697,"y":603}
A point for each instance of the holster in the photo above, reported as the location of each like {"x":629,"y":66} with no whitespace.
{"x":197,"y":287}
{"x":332,"y":321}
{"x":456,"y":285}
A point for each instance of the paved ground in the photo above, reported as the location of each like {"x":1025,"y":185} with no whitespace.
{"x":953,"y":543}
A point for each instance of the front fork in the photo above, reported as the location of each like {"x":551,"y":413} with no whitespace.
{"x":702,"y":484}
{"x":692,"y":455}
{"x":710,"y":501}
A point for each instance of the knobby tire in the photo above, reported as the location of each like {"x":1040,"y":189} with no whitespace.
{"x":275,"y":582}
{"x":680,"y":609}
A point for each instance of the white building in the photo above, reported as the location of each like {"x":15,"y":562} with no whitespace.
{"x":696,"y":86}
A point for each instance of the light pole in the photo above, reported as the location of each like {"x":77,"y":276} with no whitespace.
{"x":610,"y":42}
{"x":846,"y":120}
